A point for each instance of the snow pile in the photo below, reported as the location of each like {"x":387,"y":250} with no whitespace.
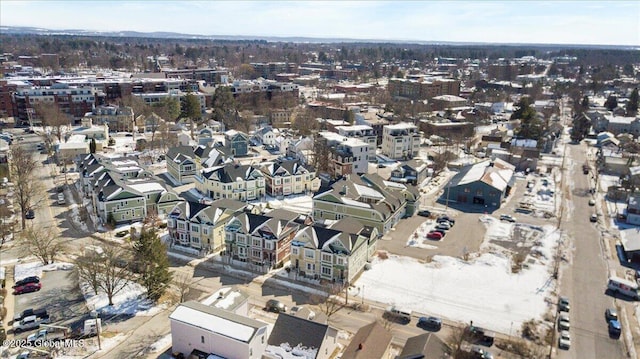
{"x":483,"y":290}
{"x":419,"y":236}
{"x":57,"y":266}
{"x":285,"y":351}
{"x":129,"y":301}
{"x":75,"y":211}
{"x":162,"y":344}
{"x":496,"y":229}
{"x":25,"y":270}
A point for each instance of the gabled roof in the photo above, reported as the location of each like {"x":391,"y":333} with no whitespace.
{"x":296,"y":331}
{"x":222,"y":322}
{"x":427,"y":346}
{"x":230,"y":173}
{"x":495,"y":173}
{"x":370,"y":341}
{"x":180,"y":154}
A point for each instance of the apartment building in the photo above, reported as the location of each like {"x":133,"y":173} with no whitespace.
{"x":118,"y":118}
{"x":233,"y":181}
{"x":285,"y":177}
{"x":347,"y":155}
{"x":400,"y":141}
{"x":423,"y":88}
{"x":374,"y":207}
{"x":201,"y":225}
{"x":362,"y":132}
{"x":263,"y":240}
{"x":75,"y":101}
{"x":180,"y":164}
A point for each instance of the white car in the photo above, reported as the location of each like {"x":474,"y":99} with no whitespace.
{"x":563,"y":321}
{"x":564,"y":341}
{"x":508,"y":218}
{"x":444,"y":226}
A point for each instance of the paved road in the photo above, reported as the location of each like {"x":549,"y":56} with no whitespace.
{"x":585,"y":279}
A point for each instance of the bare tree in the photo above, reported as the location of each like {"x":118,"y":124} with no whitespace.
{"x":89,"y":267}
{"x":454,"y":341}
{"x":183,"y":284}
{"x":22,"y":166}
{"x":113,"y":276}
{"x":42,"y":243}
{"x":167,"y":138}
{"x":53,"y":117}
{"x":328,"y":302}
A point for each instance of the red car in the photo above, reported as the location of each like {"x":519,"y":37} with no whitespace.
{"x":434,"y":235}
{"x":27,"y":288}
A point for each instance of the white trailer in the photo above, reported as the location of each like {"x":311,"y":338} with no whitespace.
{"x":625,"y":287}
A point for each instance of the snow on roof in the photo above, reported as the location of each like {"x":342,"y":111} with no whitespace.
{"x":72,"y":145}
{"x":475,"y":173}
{"x":285,"y":351}
{"x":630,"y":239}
{"x":213,"y":323}
{"x":147,"y":187}
{"x":401,"y":126}
{"x":368,"y":191}
{"x":227,"y":301}
{"x":500,"y":179}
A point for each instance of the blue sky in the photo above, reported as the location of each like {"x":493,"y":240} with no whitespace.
{"x":559,"y":22}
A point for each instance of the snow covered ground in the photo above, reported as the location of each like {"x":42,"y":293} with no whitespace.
{"x":24,"y":270}
{"x":483,"y":289}
{"x":297,"y":203}
{"x":130,"y":300}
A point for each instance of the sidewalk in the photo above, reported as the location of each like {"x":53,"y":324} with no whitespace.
{"x":9,"y":303}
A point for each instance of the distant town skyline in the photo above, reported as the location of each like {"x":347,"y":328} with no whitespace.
{"x":551,"y":22}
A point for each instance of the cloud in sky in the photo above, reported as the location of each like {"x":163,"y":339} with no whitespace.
{"x":575,"y":22}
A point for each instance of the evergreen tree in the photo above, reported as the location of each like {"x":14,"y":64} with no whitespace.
{"x":531,"y":126}
{"x":611,"y":103}
{"x":581,"y":126}
{"x":92,"y":146}
{"x":585,"y":103}
{"x":151,"y":256}
{"x":632,"y":106}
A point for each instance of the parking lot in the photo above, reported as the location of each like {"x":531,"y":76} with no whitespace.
{"x":59,"y":295}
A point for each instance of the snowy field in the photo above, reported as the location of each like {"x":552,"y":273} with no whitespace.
{"x":483,"y":289}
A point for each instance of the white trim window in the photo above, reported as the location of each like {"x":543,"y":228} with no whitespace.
{"x":309,"y":253}
{"x":326,"y":257}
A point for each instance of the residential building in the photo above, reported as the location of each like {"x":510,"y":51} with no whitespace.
{"x":202,"y":329}
{"x":485,"y":183}
{"x":347,"y":155}
{"x":237,"y":143}
{"x":371,"y":341}
{"x":633,"y":210}
{"x":151,"y":98}
{"x":444,"y":102}
{"x":180,"y":164}
{"x":263,"y":240}
{"x":401,"y":141}
{"x":337,"y":253}
{"x":423,"y":88}
{"x":426,"y":345}
{"x":315,"y":340}
{"x":362,"y":132}
{"x":284,"y":177}
{"x":76,"y":145}
{"x":201,"y":225}
{"x":73,"y":100}
{"x":118,"y":118}
{"x":452,"y":131}
{"x":281,"y":117}
{"x":380,"y":209}
{"x":233,"y":181}
{"x":413,"y":172}
{"x":230,"y":298}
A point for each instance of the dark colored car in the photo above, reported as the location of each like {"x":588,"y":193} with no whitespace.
{"x":30,"y":214}
{"x":424,"y":213}
{"x":611,"y":314}
{"x":615,"y":328}
{"x":276,"y":306}
{"x":39,"y":313}
{"x":27,"y":288}
{"x":430,"y":323}
{"x":27,"y":280}
{"x":451,"y":221}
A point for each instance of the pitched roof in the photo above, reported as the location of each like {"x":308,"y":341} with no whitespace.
{"x":495,"y":173}
{"x":297,"y":331}
{"x":370,"y":341}
{"x":425,"y":345}
{"x":230,"y":173}
{"x":180,"y":154}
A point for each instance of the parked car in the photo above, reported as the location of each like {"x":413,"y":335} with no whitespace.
{"x":564,"y":341}
{"x":424,"y":213}
{"x":611,"y":314}
{"x":430,"y":323}
{"x":31,"y":279}
{"x":563,"y":304}
{"x":40,"y":335}
{"x":444,"y":225}
{"x":593,"y":218}
{"x":276,"y":306}
{"x":480,"y":335}
{"x":451,"y":221}
{"x":508,"y":218}
{"x":441,"y":231}
{"x":563,"y":321}
{"x":480,"y":353}
{"x":592,"y":202}
{"x":615,"y":328}
{"x":398,"y":315}
{"x":27,"y":288}
{"x":39,"y":313}
{"x":29,"y":214}
{"x":434,"y":235}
